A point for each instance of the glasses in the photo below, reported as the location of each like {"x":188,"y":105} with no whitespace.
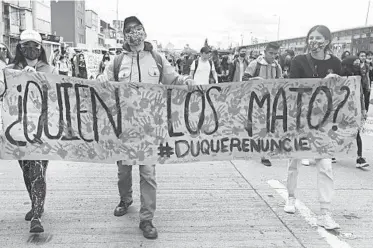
{"x":133,"y":28}
{"x":3,"y":49}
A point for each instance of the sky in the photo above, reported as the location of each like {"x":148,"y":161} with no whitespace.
{"x":234,"y":21}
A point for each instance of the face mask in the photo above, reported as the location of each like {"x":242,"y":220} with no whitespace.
{"x":242,"y":55}
{"x":30,"y":53}
{"x":316,"y":46}
{"x":135,"y":37}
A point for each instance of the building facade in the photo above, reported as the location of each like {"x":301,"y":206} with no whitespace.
{"x":92,"y":28}
{"x":68,"y":20}
{"x":352,"y":40}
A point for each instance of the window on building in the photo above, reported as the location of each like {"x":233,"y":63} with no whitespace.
{"x":14,"y":17}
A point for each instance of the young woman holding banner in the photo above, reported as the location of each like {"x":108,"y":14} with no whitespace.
{"x":318,"y":62}
{"x":31,"y":57}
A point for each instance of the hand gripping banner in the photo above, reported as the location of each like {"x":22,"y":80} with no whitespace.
{"x":62,"y":118}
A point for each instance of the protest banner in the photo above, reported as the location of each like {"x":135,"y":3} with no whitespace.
{"x":78,"y":120}
{"x":93,"y":61}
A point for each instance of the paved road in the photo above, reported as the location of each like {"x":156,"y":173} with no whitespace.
{"x":221,"y":204}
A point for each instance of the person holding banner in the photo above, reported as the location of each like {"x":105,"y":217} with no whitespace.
{"x":265,"y":67}
{"x":139,"y":63}
{"x":351,"y":67}
{"x":318,"y":62}
{"x":31,"y":57}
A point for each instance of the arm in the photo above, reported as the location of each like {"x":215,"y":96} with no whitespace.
{"x":2,"y":83}
{"x":192,"y":69}
{"x":170,"y":76}
{"x":250,"y":70}
{"x":214,"y":74}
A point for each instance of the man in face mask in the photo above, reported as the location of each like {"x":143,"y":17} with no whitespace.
{"x":238,"y":66}
{"x":139,"y":63}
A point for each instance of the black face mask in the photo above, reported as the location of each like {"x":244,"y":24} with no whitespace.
{"x":30,"y":53}
{"x":242,"y":55}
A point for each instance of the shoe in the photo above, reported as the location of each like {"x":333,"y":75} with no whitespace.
{"x":266,"y":162}
{"x":36,"y":226}
{"x":305,"y":162}
{"x":361,"y":162}
{"x":29,"y":214}
{"x":148,"y":230}
{"x":326,"y":221}
{"x":122,"y":208}
{"x":290,"y":205}
{"x":334,"y":160}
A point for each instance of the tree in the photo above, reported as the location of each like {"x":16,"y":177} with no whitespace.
{"x":206,"y":43}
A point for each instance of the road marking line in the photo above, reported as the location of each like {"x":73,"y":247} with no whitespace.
{"x":309,"y":216}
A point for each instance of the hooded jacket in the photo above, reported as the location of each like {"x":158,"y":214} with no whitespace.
{"x":142,"y":67}
{"x":266,"y":71}
{"x":235,"y":70}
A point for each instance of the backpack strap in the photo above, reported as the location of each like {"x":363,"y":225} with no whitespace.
{"x":158,"y":60}
{"x":312,"y":65}
{"x":195,"y":66}
{"x":257,"y":69}
{"x":117,"y":63}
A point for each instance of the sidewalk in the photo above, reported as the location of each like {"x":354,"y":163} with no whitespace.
{"x":220,"y":204}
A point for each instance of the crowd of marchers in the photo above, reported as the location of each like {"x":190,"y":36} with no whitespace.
{"x":139,"y":62}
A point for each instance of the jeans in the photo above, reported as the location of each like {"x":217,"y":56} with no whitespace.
{"x":148,"y":188}
{"x":34,"y":177}
{"x":325,"y":187}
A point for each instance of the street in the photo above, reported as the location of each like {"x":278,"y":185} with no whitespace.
{"x":220,"y":204}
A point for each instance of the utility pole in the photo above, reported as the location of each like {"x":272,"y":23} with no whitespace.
{"x":117,"y":15}
{"x":278,"y":28}
{"x":241,"y":39}
{"x":366,"y":19}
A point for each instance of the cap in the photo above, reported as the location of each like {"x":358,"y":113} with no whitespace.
{"x":30,"y":35}
{"x":205,"y":50}
{"x":130,"y":19}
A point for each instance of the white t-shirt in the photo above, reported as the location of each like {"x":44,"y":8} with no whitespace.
{"x":202,"y":75}
{"x":242,"y":71}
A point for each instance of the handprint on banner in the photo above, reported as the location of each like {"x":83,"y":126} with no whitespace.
{"x":234,"y":108}
{"x":79,"y":152}
{"x":87,"y":121}
{"x":315,"y":138}
{"x":180,"y":97}
{"x":110,"y":146}
{"x":129,"y":134}
{"x":106,"y":130}
{"x":223,"y":95}
{"x":147,"y":125}
{"x":160,"y":136}
{"x":45,"y":148}
{"x":145,"y":100}
{"x":242,"y":120}
{"x":175,"y":119}
{"x":52,"y":95}
{"x":193,"y":126}
{"x":222,"y":111}
{"x":157,"y":104}
{"x":346,"y":121}
{"x":140,"y":152}
{"x":35,"y":100}
{"x":129,"y":114}
{"x":158,"y":117}
{"x":60,"y":150}
{"x":42,"y":79}
{"x":13,"y":105}
{"x":16,"y":152}
{"x":30,"y":126}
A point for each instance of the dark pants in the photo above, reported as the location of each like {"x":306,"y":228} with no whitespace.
{"x":34,"y":177}
{"x":366,"y":93}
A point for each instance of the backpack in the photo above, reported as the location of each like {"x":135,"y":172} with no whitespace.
{"x":211,"y":77}
{"x":118,"y":62}
{"x":257,"y":70}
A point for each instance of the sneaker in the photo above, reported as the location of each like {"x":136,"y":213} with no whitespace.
{"x":305,"y":162}
{"x":290,"y":205}
{"x":361,"y":162}
{"x":122,"y":208}
{"x":266,"y":162}
{"x":148,"y":230}
{"x":326,"y":221}
{"x":36,"y":226}
{"x":334,"y":160}
{"x":29,"y":214}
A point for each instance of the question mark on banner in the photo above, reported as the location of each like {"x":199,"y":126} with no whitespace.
{"x":340,"y":105}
